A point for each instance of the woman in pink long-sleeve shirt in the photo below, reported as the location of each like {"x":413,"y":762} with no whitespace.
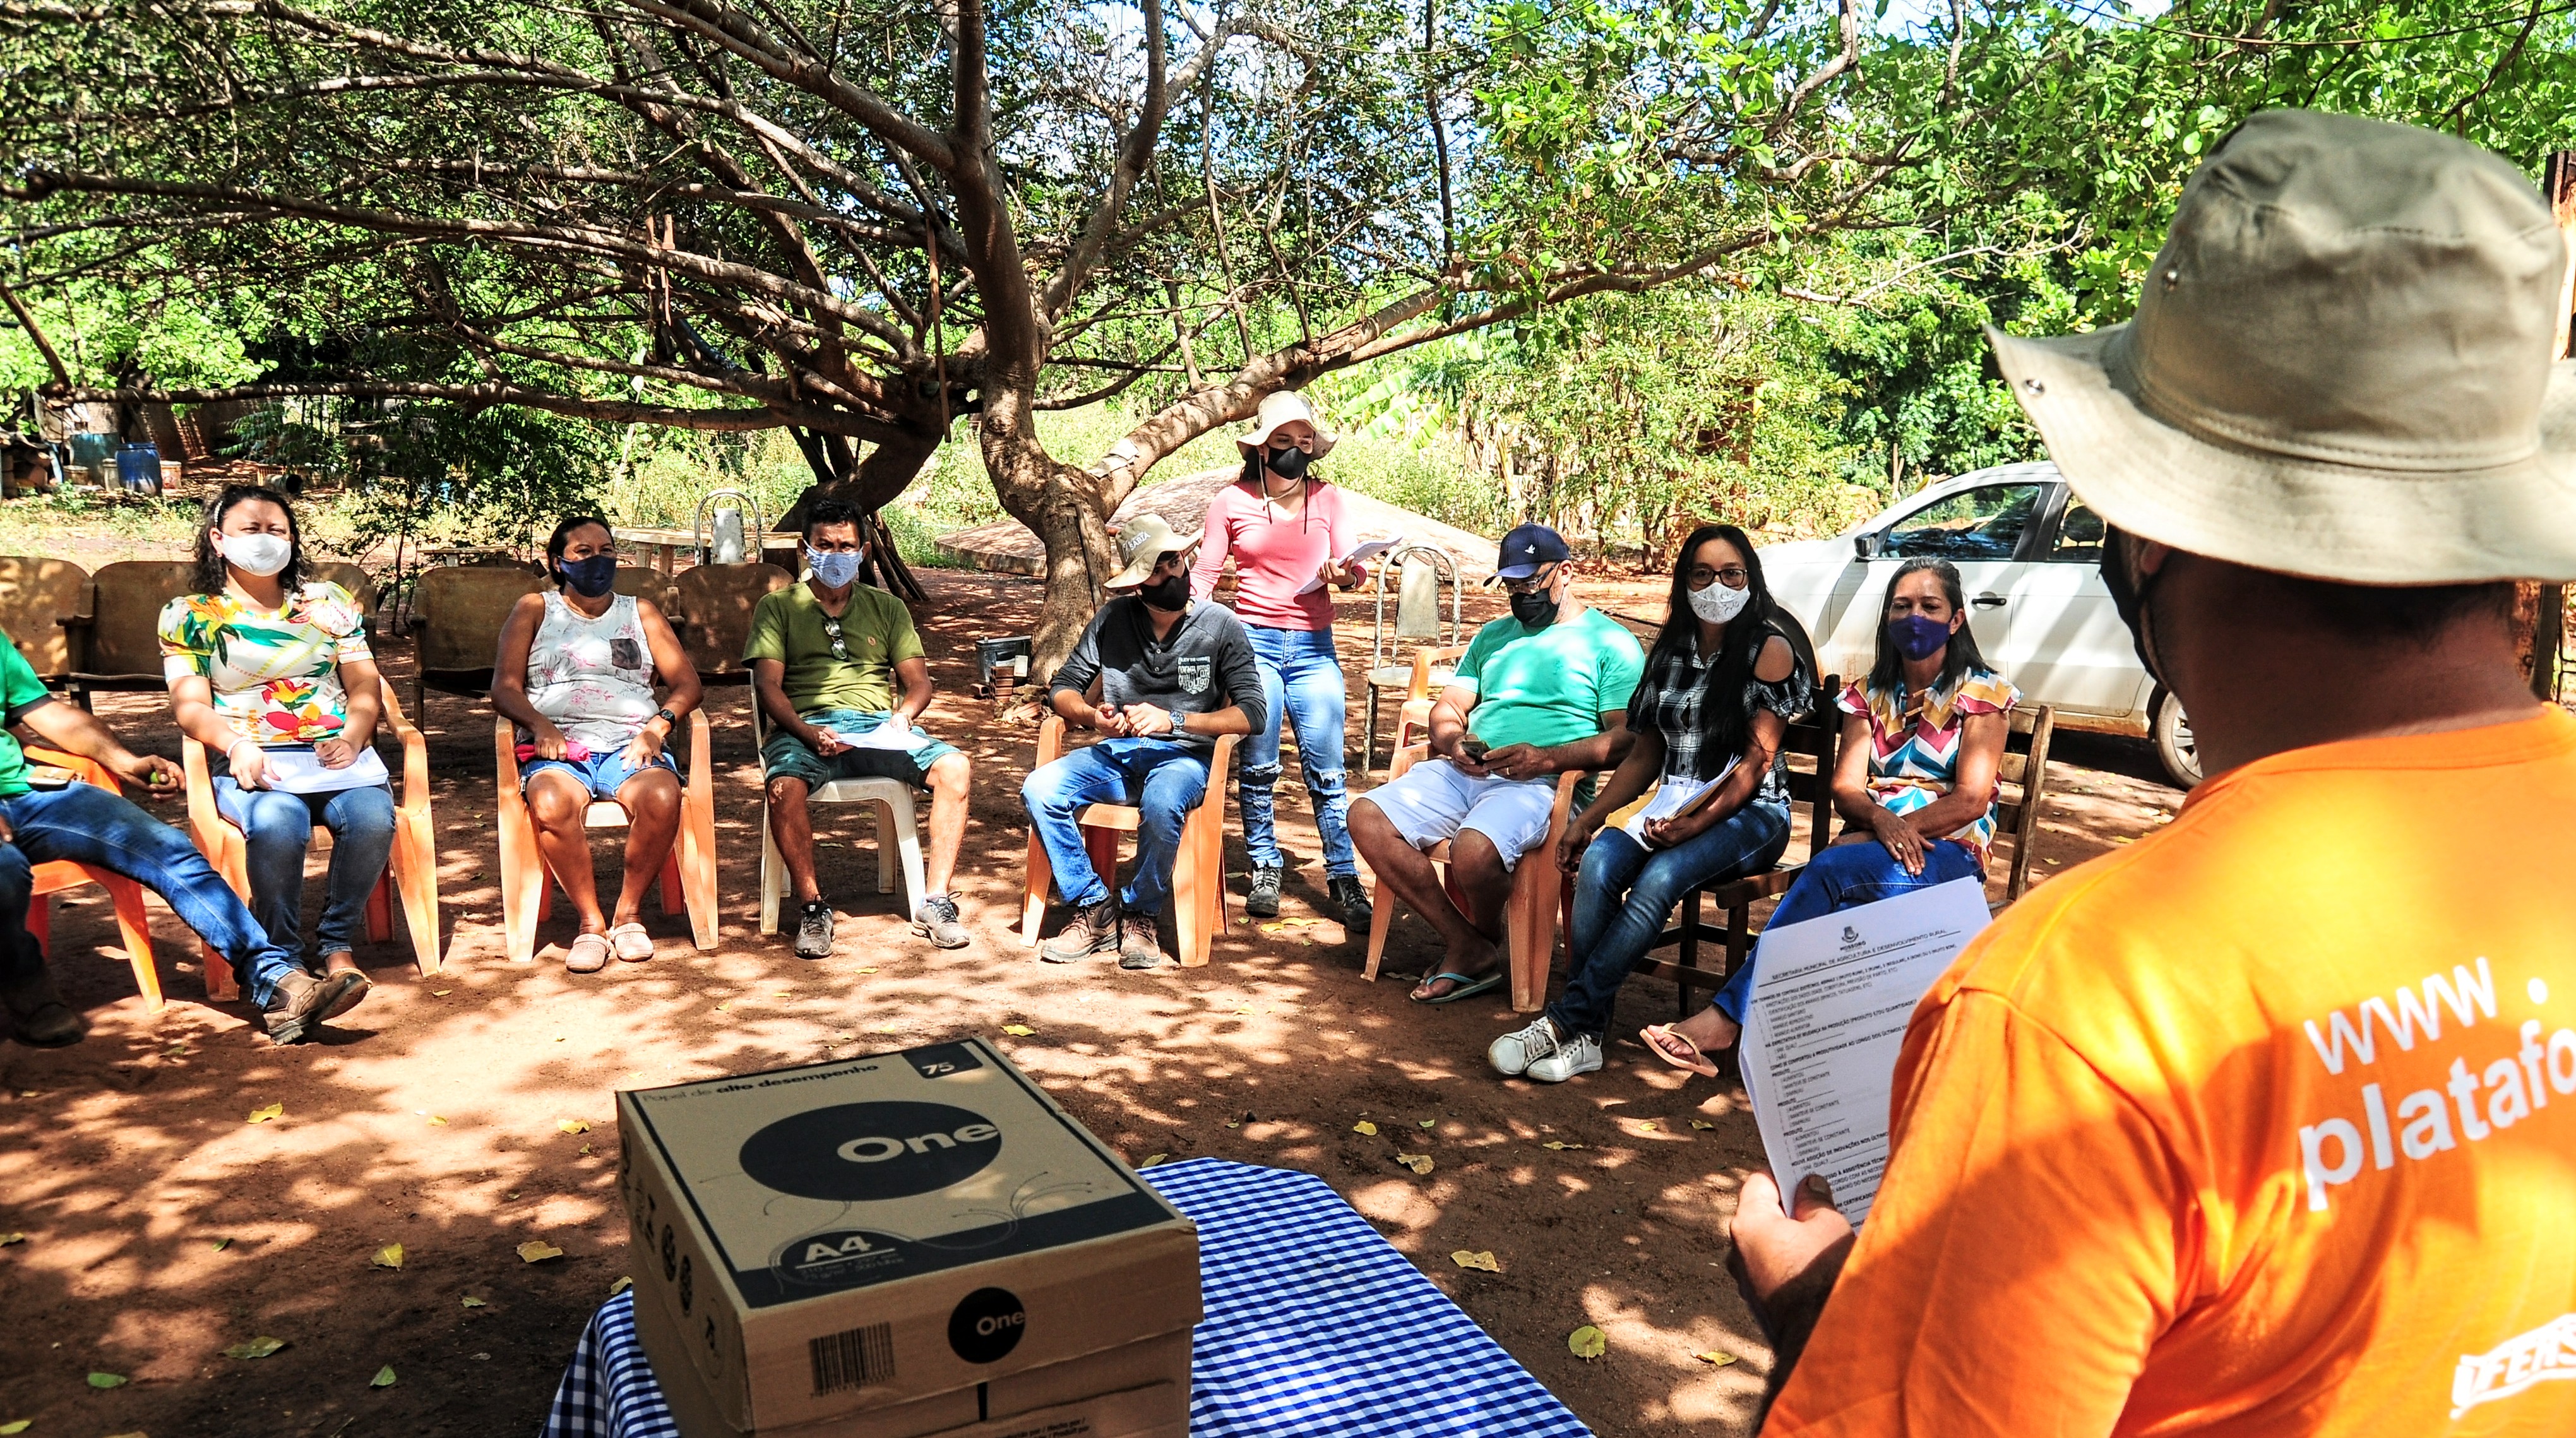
{"x":1285,"y":530}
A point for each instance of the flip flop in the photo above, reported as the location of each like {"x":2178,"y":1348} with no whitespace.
{"x":1469,"y":985}
{"x":1654,"y":1034}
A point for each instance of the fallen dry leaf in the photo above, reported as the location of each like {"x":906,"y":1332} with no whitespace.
{"x":256,"y":1348}
{"x":15,"y":1425}
{"x":1364,"y":1126}
{"x":1234,"y":1123}
{"x":867,"y":971}
{"x":1702,"y":1123}
{"x":9,"y":1238}
{"x":473,"y":1302}
{"x":1418,"y":1162}
{"x":537,"y":1250}
{"x":622,"y":1284}
{"x":1018,"y":1031}
{"x":1587,"y":1343}
{"x":1648,"y":1126}
{"x":1152,"y":1159}
{"x":1428,"y":1122}
{"x":585,"y":1148}
{"x":434,"y":1118}
{"x":1715,"y":1360}
{"x":263,"y":1115}
{"x":389,"y":1256}
{"x":222,"y":1243}
{"x":1482,"y":1262}
{"x":440,"y":993}
{"x":384,"y":1377}
{"x":573,"y":1125}
{"x":1559,"y":1146}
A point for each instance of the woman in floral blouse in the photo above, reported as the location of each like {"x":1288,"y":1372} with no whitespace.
{"x":272,"y":671}
{"x":1923,"y":739}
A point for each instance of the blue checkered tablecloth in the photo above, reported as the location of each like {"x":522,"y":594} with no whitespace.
{"x":1315,"y":1326}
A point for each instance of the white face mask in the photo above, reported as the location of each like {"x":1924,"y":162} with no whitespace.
{"x":260,"y":554}
{"x":1717,"y":603}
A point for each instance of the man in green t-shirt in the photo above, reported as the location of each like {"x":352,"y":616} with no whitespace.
{"x":826,"y":659}
{"x":89,"y":824}
{"x":1541,"y":692}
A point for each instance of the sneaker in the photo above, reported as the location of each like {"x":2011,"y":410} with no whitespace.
{"x":43,"y":1020}
{"x":300,"y":1003}
{"x":814,"y":931}
{"x":1511,"y":1054}
{"x":1580,"y":1054}
{"x":936,"y":920}
{"x":1139,"y":947}
{"x":1264,"y":903}
{"x":1351,"y":897}
{"x":1094,"y":930}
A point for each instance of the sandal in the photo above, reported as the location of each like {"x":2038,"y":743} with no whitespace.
{"x":588,"y":955}
{"x":1656,"y":1036}
{"x":341,"y":962}
{"x":630,"y":943}
{"x":1468,"y":986}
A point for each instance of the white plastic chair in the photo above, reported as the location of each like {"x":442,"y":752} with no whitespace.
{"x":894,"y":802}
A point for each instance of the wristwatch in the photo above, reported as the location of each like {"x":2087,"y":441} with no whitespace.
{"x":666,"y":716}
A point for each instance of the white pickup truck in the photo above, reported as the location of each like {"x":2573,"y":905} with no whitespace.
{"x":2029,"y":555}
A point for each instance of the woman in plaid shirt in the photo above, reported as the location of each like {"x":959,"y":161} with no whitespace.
{"x":1723,"y":683}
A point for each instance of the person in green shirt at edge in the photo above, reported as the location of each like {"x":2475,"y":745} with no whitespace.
{"x":826,"y":656}
{"x":87,"y":824}
{"x":1538,"y":693}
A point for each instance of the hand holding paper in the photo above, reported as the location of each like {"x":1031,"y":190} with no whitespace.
{"x":889,"y":735}
{"x":1360,"y":554}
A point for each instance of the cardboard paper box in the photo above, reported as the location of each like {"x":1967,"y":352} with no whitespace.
{"x":869,"y":1234}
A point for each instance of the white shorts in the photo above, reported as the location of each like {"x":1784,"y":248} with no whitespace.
{"x":1434,"y":800}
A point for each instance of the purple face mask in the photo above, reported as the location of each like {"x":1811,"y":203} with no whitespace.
{"x":1916,"y":637}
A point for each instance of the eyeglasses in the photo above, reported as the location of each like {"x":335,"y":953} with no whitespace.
{"x":1536,"y":582}
{"x":1733,"y":576}
{"x":832,"y":627}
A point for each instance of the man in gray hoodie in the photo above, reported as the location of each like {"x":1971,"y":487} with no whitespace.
{"x":1160,"y":677}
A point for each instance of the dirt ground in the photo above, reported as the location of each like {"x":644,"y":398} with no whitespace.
{"x":159,"y":1227}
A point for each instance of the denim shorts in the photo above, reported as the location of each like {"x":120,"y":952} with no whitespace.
{"x":787,"y":757}
{"x":601,"y":774}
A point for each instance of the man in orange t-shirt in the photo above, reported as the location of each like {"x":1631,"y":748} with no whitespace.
{"x":2267,"y":1124}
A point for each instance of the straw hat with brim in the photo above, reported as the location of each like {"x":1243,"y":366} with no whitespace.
{"x":2340,"y":367}
{"x":1142,"y":543}
{"x":1278,"y":409}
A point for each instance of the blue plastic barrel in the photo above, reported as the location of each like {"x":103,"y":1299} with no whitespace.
{"x":138,"y":468}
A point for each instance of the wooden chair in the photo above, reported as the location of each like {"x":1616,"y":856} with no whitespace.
{"x":1430,"y":672}
{"x":1540,"y":893}
{"x":688,"y":872}
{"x":456,"y":616}
{"x":117,"y":634}
{"x":1421,"y":570}
{"x":898,"y":831}
{"x":410,"y":871}
{"x":56,"y":875}
{"x":38,"y":600}
{"x":711,"y":607}
{"x":1198,"y":869}
{"x":2022,"y":788}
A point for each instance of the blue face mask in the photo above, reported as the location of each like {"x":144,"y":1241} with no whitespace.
{"x":1916,"y":637}
{"x":834,"y":569}
{"x":589,"y":578}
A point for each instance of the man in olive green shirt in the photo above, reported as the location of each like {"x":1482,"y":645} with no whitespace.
{"x":827,"y":657}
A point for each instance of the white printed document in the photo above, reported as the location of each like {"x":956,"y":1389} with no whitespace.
{"x":301,"y":771}
{"x":1361,"y":553}
{"x":1675,"y":796}
{"x":1825,"y":1021}
{"x":888,"y":735}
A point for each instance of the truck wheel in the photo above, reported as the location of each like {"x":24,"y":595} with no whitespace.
{"x":2171,"y":732}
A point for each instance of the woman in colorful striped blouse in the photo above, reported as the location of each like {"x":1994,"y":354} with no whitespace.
{"x":1923,"y":739}
{"x":271,"y":672}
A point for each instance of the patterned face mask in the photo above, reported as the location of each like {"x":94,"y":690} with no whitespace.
{"x":834,"y":568}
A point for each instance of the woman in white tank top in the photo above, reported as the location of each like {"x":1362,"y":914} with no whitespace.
{"x":575,"y":672}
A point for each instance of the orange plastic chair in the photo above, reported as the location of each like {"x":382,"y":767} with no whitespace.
{"x":56,"y":875}
{"x":1432,"y":670}
{"x":1198,"y":869}
{"x":411,"y":871}
{"x":688,"y":871}
{"x":1540,"y":892}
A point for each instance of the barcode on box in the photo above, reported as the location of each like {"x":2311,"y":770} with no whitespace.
{"x":853,"y":1359}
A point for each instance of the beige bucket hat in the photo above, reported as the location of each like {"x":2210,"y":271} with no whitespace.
{"x":1142,"y":542}
{"x":2340,"y":366}
{"x":1278,"y":409}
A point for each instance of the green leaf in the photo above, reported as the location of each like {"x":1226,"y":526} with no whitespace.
{"x":1587,"y":1343}
{"x":256,"y":1348}
{"x":384,"y":1377}
{"x":107,"y":1380}
{"x":15,"y":1425}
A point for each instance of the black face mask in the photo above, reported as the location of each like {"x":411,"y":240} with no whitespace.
{"x":2130,"y":598}
{"x":1536,"y":608}
{"x":1289,"y":463}
{"x":1170,"y":593}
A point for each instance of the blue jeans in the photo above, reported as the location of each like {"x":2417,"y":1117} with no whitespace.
{"x":279,"y":827}
{"x":1162,"y":777}
{"x":89,"y":825}
{"x":1626,"y":891}
{"x":1300,"y":677}
{"x":1845,"y":876}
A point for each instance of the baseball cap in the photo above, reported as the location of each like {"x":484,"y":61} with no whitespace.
{"x":1528,"y":548}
